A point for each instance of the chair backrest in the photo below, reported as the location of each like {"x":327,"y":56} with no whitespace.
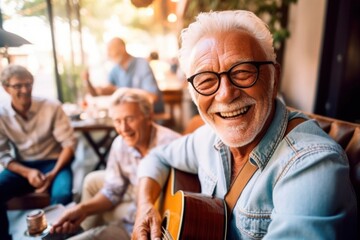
{"x":173,"y":105}
{"x":347,"y":134}
{"x":195,"y":122}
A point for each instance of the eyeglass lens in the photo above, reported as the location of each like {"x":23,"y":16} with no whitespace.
{"x":241,"y":75}
{"x":21,"y":85}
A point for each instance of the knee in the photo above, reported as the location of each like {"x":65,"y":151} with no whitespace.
{"x":89,"y":179}
{"x":61,"y":199}
{"x":93,"y":182}
{"x":61,"y":192}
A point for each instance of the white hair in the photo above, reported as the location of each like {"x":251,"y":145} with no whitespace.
{"x":132,"y":95}
{"x":224,"y":21}
{"x":220,"y":22}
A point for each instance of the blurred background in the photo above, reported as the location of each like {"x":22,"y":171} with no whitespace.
{"x":317,"y":42}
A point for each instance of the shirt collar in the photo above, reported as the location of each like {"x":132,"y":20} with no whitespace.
{"x":32,"y":111}
{"x":273,"y":136}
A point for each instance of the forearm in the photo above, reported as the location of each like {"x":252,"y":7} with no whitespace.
{"x":148,"y":191}
{"x":148,"y":220}
{"x":91,"y":89}
{"x":87,"y":82}
{"x":98,"y":204}
{"x":72,"y":217}
{"x":64,"y":159}
{"x":18,"y":168}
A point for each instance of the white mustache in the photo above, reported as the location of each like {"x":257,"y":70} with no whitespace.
{"x":221,"y":107}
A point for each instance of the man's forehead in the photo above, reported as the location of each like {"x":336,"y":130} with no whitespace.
{"x":226,"y":47}
{"x":126,"y":109}
{"x":14,"y":79}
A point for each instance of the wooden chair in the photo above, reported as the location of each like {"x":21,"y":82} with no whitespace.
{"x":173,"y":103}
{"x":29,"y":201}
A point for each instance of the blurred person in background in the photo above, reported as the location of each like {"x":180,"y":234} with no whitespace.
{"x":37,"y":144}
{"x":108,"y":205}
{"x":128,"y":71}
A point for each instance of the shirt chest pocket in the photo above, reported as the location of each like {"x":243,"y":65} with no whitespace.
{"x":249,"y":225}
{"x":208,"y":183}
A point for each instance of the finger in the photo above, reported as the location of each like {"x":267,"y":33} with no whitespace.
{"x":65,"y":227}
{"x":155,"y":232}
{"x":57,"y":229}
{"x":70,"y":227}
{"x":41,"y":176}
{"x":60,"y":221}
{"x":52,"y":230}
{"x":43,"y":188}
{"x":141,"y":235}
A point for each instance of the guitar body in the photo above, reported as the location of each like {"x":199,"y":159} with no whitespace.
{"x":187,"y":214}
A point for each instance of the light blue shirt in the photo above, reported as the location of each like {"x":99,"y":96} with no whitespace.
{"x":301,"y":189}
{"x":138,"y":75}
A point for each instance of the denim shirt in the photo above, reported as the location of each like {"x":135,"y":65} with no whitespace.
{"x":301,"y":189}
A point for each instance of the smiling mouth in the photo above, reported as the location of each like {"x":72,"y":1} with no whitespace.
{"x":235,"y":113}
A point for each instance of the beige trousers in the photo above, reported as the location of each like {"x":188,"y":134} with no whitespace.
{"x":101,"y":226}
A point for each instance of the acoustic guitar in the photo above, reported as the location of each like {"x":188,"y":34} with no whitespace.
{"x":188,"y":214}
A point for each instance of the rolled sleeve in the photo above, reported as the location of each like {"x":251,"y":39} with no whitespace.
{"x":109,"y":194}
{"x":177,"y":154}
{"x":63,"y":131}
{"x":5,"y":150}
{"x":5,"y":159}
{"x":152,"y":168}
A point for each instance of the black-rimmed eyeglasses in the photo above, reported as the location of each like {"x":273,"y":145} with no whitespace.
{"x":241,"y":75}
{"x":19,"y":86}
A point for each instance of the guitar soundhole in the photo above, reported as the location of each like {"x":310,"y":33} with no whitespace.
{"x":164,"y":223}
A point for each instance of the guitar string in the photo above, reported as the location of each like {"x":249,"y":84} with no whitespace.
{"x":166,"y":234}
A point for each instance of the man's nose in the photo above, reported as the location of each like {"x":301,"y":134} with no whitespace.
{"x":124,"y":126}
{"x":25,"y":88}
{"x":227,"y":91}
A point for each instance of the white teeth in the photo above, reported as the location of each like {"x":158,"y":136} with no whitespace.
{"x":234,"y":113}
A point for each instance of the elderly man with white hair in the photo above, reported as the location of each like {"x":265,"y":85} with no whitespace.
{"x":281,"y":176}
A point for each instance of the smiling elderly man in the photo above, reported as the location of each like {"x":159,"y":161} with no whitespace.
{"x":298,"y":177}
{"x":108,"y":206}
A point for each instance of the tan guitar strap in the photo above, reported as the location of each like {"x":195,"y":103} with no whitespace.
{"x":247,"y":172}
{"x":239,"y":184}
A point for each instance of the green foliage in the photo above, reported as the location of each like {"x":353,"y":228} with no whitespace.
{"x":71,"y":84}
{"x":271,"y":11}
{"x":27,"y":8}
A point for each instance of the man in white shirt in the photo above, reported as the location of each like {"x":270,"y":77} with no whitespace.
{"x":39,"y":133}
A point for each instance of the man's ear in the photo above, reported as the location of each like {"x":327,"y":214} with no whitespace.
{"x":6,"y":88}
{"x":151,"y":117}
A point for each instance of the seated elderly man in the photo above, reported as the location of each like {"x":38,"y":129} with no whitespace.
{"x":110,"y":194}
{"x":280,"y":174}
{"x":43,"y":140}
